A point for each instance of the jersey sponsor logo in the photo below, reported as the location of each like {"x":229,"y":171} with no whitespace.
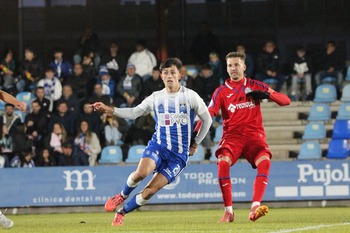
{"x":169,"y":119}
{"x":234,"y":107}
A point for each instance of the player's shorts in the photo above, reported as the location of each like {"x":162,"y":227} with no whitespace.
{"x":251,"y":147}
{"x":167,"y":162}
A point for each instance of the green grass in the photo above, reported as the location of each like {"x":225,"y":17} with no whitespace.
{"x":187,"y":221}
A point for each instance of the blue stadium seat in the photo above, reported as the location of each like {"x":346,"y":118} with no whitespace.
{"x":325,"y":93}
{"x":192,"y":70}
{"x":314,"y":131}
{"x":338,"y":149}
{"x":329,"y":79}
{"x":25,"y":97}
{"x":218,"y":134}
{"x":345,"y":97}
{"x":344,"y":112}
{"x":341,"y":129}
{"x":270,"y":81}
{"x":310,"y":150}
{"x":347,"y":76}
{"x":319,"y":112}
{"x":111,"y":154}
{"x":21,"y":114}
{"x":198,"y":156}
{"x":135,"y":153}
{"x":2,"y":105}
{"x":213,"y":150}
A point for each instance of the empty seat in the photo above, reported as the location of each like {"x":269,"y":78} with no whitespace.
{"x":347,"y":76}
{"x":329,"y":79}
{"x":345,"y":97}
{"x":135,"y":153}
{"x":314,"y":131}
{"x":325,"y":93}
{"x":310,"y":150}
{"x":218,"y":134}
{"x":2,"y":105}
{"x":344,"y":112}
{"x":26,"y":97}
{"x":198,"y":156}
{"x":338,"y":149}
{"x":319,"y":112}
{"x":341,"y":129}
{"x":111,"y":154}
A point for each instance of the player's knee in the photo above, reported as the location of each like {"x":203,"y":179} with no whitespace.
{"x":224,"y":159}
{"x":148,"y":192}
{"x":139,"y":176}
{"x":264,"y":163}
{"x":262,"y":158}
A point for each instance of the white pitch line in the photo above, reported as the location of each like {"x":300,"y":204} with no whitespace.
{"x":311,"y":228}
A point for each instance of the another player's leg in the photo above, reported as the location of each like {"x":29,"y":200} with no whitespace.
{"x":5,"y":222}
{"x":263,"y":167}
{"x":224,"y":164}
{"x":145,"y":167}
{"x":158,"y":181}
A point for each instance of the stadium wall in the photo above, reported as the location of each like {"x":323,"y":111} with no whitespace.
{"x":92,"y":186}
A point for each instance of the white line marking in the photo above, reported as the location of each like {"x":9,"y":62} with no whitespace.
{"x":311,"y":227}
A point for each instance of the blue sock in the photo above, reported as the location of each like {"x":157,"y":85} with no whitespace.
{"x":129,"y":186}
{"x":131,"y":205}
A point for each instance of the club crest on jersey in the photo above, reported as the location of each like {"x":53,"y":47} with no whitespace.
{"x":247,"y":90}
{"x":169,"y":119}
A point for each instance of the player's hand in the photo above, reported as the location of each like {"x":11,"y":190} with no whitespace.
{"x":193,"y":145}
{"x":101,"y":107}
{"x":259,"y":95}
{"x":21,"y":106}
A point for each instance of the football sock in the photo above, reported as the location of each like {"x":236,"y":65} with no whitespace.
{"x":261,"y":180}
{"x":135,"y":202}
{"x":129,"y":186}
{"x":229,"y":209}
{"x":225,"y":182}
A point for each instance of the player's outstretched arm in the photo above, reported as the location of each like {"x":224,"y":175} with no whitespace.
{"x":279,"y":98}
{"x":7,"y":98}
{"x":101,"y":107}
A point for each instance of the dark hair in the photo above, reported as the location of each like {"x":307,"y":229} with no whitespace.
{"x":206,"y":66}
{"x":170,"y":62}
{"x":235,"y":54}
{"x":30,"y":49}
{"x":36,"y":101}
{"x":156,"y":68}
{"x":332,"y":42}
{"x":57,"y":50}
{"x":301,"y":48}
{"x":39,"y":87}
{"x":141,"y":42}
{"x":49,"y":68}
{"x":11,"y":105}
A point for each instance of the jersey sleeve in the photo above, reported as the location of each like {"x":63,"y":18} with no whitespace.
{"x":214,"y":105}
{"x":259,"y":86}
{"x":197,"y":103}
{"x":147,"y":104}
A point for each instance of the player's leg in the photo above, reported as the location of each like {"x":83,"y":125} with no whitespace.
{"x":145,"y":167}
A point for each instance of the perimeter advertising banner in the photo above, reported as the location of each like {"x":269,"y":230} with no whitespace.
{"x":69,"y":186}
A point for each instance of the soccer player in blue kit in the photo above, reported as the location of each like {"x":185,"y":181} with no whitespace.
{"x":174,"y":108}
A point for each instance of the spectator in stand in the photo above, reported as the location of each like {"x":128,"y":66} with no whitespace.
{"x":331,"y":64}
{"x":21,"y":141}
{"x":62,"y":67}
{"x":88,"y":65}
{"x":108,"y":84}
{"x":88,"y":42}
{"x":216,"y":66}
{"x":45,"y":159}
{"x":141,"y":132}
{"x":186,"y":80}
{"x":23,"y":159}
{"x":71,"y":99}
{"x":10,"y":119}
{"x":38,"y":123}
{"x":42,"y":100}
{"x":129,"y":88}
{"x":92,"y":117}
{"x":98,"y":96}
{"x":204,"y":43}
{"x":269,"y":65}
{"x":63,"y":116}
{"x":86,"y":146}
{"x":52,"y":86}
{"x":80,"y":82}
{"x":115,"y":62}
{"x":55,"y":139}
{"x":66,"y":157}
{"x":143,"y":59}
{"x":249,"y":61}
{"x":301,"y":70}
{"x":31,"y":71}
{"x":114,"y":127}
{"x":4,"y":160}
{"x":155,"y":83}
{"x":6,"y":144}
{"x":206,"y":82}
{"x":8,"y":70}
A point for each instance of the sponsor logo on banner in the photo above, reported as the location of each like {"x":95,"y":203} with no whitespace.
{"x":207,"y":178}
{"x":83,"y":180}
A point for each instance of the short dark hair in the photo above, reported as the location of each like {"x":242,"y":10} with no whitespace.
{"x":9,"y":105}
{"x":156,"y":68}
{"x":170,"y":62}
{"x":236,"y":54}
{"x":49,"y":69}
{"x":332,"y":42}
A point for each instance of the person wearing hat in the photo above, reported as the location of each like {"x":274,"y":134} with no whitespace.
{"x":108,"y":84}
{"x":143,"y":59}
{"x":129,"y":87}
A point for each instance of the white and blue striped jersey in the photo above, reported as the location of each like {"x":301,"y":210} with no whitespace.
{"x":174,"y":114}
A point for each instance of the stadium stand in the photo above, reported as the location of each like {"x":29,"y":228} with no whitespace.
{"x":310,"y":150}
{"x":25,"y":97}
{"x":344,"y":112}
{"x":338,"y":149}
{"x":319,"y":112}
{"x":325,"y":93}
{"x":111,"y":155}
{"x":135,"y":153}
{"x":346,"y":93}
{"x":341,"y":129}
{"x":314,"y":131}
{"x":198,"y":156}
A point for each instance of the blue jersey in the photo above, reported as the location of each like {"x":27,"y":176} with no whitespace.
{"x":174,"y":114}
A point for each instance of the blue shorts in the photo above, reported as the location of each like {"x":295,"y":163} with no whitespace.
{"x":167,"y":162}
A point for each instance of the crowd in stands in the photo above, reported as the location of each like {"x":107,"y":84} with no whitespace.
{"x":60,"y":127}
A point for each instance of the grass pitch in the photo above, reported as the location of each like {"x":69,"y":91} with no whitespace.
{"x":278,"y":221}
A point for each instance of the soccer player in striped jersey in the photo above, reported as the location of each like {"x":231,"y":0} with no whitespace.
{"x":243,"y":131}
{"x":174,"y":108}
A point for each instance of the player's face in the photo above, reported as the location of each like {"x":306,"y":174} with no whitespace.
{"x":235,"y":68}
{"x":171,"y":76}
